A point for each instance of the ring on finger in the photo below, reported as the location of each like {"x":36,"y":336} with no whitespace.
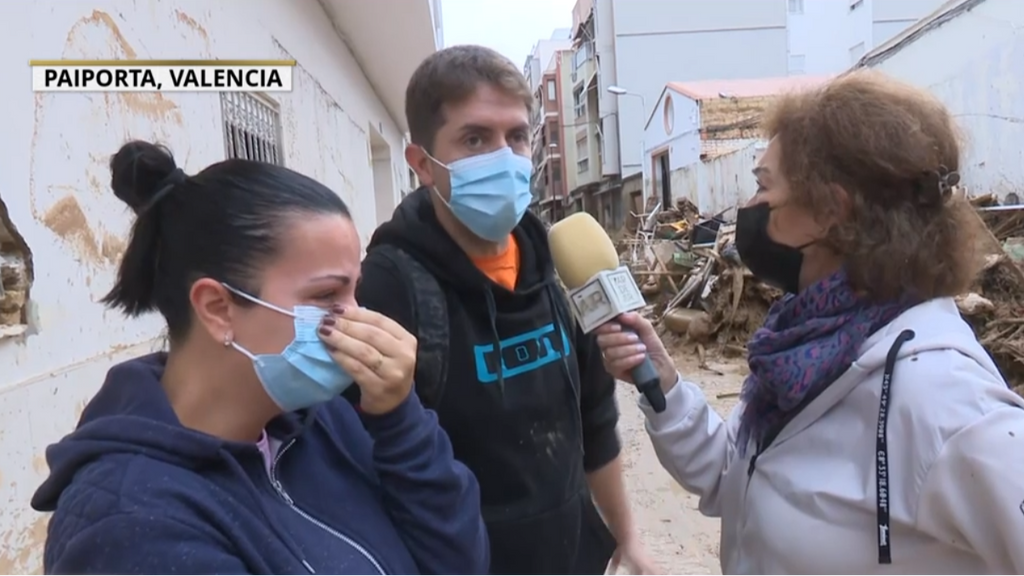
{"x":378,"y":363}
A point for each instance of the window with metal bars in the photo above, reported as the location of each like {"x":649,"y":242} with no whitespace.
{"x":252,"y":127}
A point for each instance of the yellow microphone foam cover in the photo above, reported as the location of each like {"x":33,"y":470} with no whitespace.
{"x":580,"y":248}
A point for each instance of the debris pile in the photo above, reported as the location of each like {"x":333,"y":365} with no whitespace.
{"x":699,"y":291}
{"x":995,"y":306}
{"x":687,"y":266}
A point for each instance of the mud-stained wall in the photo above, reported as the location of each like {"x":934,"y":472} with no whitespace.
{"x":16,"y":274}
{"x":63,"y":232}
{"x":722,"y":181}
{"x":974,"y":64}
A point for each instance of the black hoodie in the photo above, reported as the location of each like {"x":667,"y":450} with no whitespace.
{"x":531,"y":431}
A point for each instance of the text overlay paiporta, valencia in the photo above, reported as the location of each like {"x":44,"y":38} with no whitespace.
{"x":162,"y":75}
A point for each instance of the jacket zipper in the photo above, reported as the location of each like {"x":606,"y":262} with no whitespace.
{"x":279,"y":488}
{"x":759,"y":449}
{"x":738,"y":555}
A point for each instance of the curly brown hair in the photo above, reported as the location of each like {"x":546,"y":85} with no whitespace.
{"x":902,"y":229}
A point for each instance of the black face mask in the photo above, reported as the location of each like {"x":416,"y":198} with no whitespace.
{"x":774,"y":263}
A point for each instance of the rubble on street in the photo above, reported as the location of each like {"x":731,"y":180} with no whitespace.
{"x":703,"y":298}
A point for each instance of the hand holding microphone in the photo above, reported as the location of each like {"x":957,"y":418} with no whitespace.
{"x":627,"y":341}
{"x":600,"y":291}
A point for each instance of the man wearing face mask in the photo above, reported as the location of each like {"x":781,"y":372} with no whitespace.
{"x":521,"y":392}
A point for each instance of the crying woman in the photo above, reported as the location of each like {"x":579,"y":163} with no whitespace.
{"x":234,"y":452}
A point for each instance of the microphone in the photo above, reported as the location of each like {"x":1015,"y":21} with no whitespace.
{"x":599,"y":287}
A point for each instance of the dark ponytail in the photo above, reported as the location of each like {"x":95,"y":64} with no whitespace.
{"x":222,"y":223}
{"x":138,"y":173}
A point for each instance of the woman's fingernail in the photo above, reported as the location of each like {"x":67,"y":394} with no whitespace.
{"x":640,"y":348}
{"x":633,"y":337}
{"x":338,"y":309}
{"x":325,"y":330}
{"x":328,"y":321}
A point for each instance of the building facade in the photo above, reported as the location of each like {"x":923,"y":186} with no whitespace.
{"x":583,"y":127}
{"x":542,"y":71}
{"x":539,"y":59}
{"x":568,"y":107}
{"x":694,"y":131}
{"x":62,"y":231}
{"x":829,"y":36}
{"x":643,"y":44}
{"x":966,"y":54}
{"x":548,"y":185}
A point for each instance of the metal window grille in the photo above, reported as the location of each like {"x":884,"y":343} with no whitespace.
{"x":252,"y":127}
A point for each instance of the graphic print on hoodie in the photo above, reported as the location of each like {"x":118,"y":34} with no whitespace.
{"x":530,"y":425}
{"x":132,"y":491}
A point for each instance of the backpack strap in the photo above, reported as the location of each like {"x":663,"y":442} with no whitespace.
{"x":430,"y":314}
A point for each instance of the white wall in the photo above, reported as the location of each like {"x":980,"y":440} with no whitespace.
{"x":721,"y":184}
{"x":817,"y":37}
{"x":890,"y":17}
{"x":827,"y":31}
{"x":657,"y":42}
{"x":858,"y":28}
{"x":975,"y":65}
{"x":54,"y":184}
{"x":682,"y":141}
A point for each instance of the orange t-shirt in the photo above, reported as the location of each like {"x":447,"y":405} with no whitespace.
{"x":502,"y":269}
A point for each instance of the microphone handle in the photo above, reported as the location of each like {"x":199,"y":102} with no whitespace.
{"x":648,"y":382}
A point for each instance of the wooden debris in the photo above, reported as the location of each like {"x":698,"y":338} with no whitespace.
{"x":699,"y":290}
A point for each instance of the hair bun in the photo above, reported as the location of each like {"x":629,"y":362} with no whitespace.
{"x":142,"y":171}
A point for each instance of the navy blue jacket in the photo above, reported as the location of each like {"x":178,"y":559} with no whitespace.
{"x":135,"y":492}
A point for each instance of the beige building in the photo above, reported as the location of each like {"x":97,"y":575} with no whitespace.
{"x":583,"y":125}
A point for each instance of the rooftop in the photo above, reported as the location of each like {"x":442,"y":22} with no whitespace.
{"x":944,"y":13}
{"x":747,"y":88}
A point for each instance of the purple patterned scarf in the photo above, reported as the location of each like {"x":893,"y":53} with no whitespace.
{"x":807,"y":341}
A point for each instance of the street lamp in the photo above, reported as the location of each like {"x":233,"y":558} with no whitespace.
{"x":620,"y":91}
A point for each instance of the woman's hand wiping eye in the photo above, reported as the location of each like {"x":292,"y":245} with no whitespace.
{"x":376,"y":351}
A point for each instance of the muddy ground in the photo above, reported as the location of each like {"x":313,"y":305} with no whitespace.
{"x":676,"y":535}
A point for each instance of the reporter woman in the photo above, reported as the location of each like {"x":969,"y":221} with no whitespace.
{"x":874,"y":433}
{"x":233,"y":453}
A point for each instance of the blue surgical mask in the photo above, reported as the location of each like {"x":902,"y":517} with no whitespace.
{"x":490,"y":192}
{"x":303,"y":374}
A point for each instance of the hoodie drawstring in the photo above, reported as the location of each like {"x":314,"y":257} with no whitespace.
{"x":561,"y":325}
{"x":492,"y":317}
